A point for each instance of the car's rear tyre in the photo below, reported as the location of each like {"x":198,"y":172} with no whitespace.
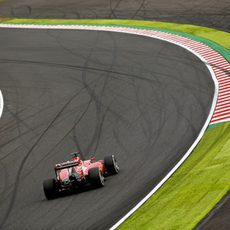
{"x":96,"y":178}
{"x":50,"y":189}
{"x":111,"y":166}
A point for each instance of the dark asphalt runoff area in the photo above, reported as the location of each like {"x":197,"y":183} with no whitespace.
{"x":210,"y":13}
{"x":142,"y":99}
{"x":218,"y":218}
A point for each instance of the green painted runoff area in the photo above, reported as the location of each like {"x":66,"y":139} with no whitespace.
{"x":200,"y":183}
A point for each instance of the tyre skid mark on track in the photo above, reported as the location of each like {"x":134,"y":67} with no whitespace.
{"x":216,"y":64}
{"x":16,"y":184}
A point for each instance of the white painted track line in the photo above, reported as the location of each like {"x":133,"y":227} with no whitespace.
{"x":1,"y":103}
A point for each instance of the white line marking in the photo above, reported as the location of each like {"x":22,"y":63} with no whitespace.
{"x":1,"y":103}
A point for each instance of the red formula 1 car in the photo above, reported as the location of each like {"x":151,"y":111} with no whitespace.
{"x":71,"y":175}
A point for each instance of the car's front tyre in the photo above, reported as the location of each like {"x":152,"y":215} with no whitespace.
{"x":111,"y":165}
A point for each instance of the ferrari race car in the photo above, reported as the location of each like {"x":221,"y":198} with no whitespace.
{"x":74,"y":174}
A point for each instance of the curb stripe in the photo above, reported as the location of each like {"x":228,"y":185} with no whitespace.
{"x":224,"y":92}
{"x":221,"y":110}
{"x":223,"y":81}
{"x":221,"y":120}
{"x":221,"y":76}
{"x":225,"y":85}
{"x":224,"y":109}
{"x":217,"y":115}
{"x":223,"y":103}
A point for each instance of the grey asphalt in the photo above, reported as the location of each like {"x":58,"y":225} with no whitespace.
{"x":211,"y":13}
{"x":142,"y":99}
{"x":218,"y":218}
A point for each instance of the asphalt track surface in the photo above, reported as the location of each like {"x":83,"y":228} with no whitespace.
{"x":143,"y":99}
{"x":217,"y":218}
{"x":210,"y":13}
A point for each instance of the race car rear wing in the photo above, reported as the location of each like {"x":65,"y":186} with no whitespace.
{"x":65,"y":165}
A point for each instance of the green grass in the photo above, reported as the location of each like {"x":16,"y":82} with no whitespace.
{"x":217,"y":36}
{"x":193,"y":190}
{"x":204,"y":178}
